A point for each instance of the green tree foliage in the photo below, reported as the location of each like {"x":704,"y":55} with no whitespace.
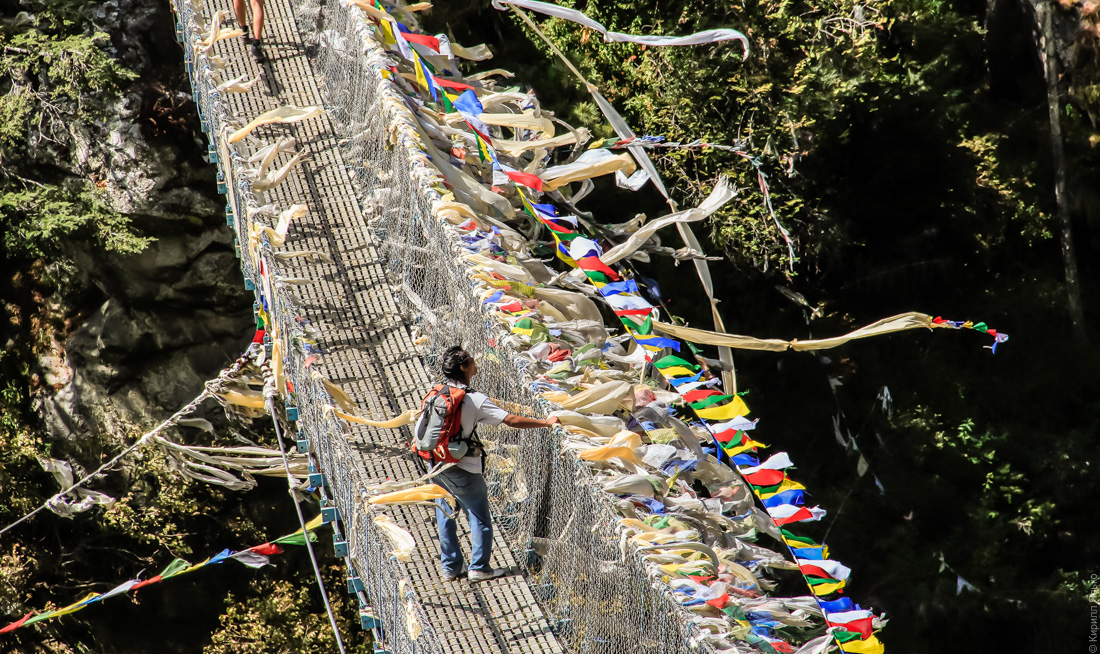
{"x":53,"y":72}
{"x":37,"y":220}
{"x":287,"y":617}
{"x":837,"y":100}
{"x":58,"y":71}
{"x":907,"y":148}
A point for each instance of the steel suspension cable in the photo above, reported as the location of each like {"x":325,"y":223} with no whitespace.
{"x":269,"y":401}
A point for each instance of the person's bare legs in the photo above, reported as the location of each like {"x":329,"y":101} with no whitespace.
{"x":257,"y":17}
{"x":242,"y":17}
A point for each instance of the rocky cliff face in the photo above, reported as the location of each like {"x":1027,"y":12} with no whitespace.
{"x":136,"y":335}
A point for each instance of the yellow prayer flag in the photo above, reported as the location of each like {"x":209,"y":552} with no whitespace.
{"x":870,"y":645}
{"x":826,"y":589}
{"x":418,"y":66}
{"x":748,"y":445}
{"x":736,"y":407}
{"x":75,"y":606}
{"x":788,"y":484}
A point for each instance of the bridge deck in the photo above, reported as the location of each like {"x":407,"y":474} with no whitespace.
{"x":368,"y":349}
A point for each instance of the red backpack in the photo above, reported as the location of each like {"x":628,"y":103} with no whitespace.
{"x":440,"y":423}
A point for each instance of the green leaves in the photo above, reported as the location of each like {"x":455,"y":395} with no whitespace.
{"x":35,"y":220}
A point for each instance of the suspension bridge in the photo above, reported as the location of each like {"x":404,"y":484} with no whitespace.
{"x":349,"y":235}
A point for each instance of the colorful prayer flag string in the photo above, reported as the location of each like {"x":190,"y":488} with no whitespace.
{"x":253,"y":557}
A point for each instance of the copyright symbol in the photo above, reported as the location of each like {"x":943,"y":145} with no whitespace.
{"x":1092,"y":649}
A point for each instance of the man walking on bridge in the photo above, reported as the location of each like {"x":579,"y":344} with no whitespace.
{"x":464,"y":479}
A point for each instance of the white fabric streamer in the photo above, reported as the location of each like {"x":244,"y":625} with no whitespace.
{"x":721,"y":194}
{"x":708,"y":36}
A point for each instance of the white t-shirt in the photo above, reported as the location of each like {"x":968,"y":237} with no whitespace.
{"x":478,"y":409}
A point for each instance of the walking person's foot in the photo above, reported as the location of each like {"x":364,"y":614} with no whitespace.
{"x":486,"y":575}
{"x":258,"y":51}
{"x":452,"y":575}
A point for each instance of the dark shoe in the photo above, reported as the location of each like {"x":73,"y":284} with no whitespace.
{"x":245,"y":37}
{"x":258,"y":51}
{"x":486,"y":575}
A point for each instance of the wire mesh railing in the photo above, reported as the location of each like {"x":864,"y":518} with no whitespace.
{"x":548,"y":504}
{"x":399,"y":618}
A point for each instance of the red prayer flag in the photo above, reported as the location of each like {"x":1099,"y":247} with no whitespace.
{"x":594,"y":263}
{"x":725,"y":437}
{"x":765,"y":477}
{"x":451,"y":84}
{"x":862,"y":625}
{"x":527,"y":179}
{"x":259,"y":337}
{"x":719,"y":602}
{"x":18,"y":623}
{"x":422,"y":39}
{"x":267,"y":549}
{"x":151,"y":580}
{"x":813,"y":570}
{"x":798,"y":516}
{"x":700,"y":393}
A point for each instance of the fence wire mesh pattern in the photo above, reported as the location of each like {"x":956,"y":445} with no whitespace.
{"x":551,"y":511}
{"x":548,"y":505}
{"x":396,"y":606}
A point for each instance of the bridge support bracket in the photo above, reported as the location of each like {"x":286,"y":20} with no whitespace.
{"x":339,"y":546}
{"x":328,"y":511}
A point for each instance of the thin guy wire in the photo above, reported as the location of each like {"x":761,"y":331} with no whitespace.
{"x":269,"y":396}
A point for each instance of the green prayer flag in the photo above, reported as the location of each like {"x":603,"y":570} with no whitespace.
{"x":707,"y":401}
{"x":174,"y":568}
{"x":672,"y":360}
{"x":843,"y":636}
{"x":800,"y":539}
{"x":41,"y":616}
{"x":297,"y":538}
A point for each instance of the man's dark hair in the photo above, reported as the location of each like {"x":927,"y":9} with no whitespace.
{"x":453,"y":360}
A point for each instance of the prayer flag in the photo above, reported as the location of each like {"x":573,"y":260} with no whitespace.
{"x":838,"y":605}
{"x":778,"y":461}
{"x":794,"y":497}
{"x":614,"y":288}
{"x":18,"y":623}
{"x":451,"y":84}
{"x":422,"y":39}
{"x":672,"y":360}
{"x":593,"y":264}
{"x":765,"y":477}
{"x":786,"y":514}
{"x":859,"y":621}
{"x":520,"y":177}
{"x":696,"y":395}
{"x":871,"y":645}
{"x":827,"y":569}
{"x":735,"y":407}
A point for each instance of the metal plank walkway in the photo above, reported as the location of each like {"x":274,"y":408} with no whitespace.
{"x":367,"y":348}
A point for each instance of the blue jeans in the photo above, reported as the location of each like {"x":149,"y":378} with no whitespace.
{"x":473,"y":498}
